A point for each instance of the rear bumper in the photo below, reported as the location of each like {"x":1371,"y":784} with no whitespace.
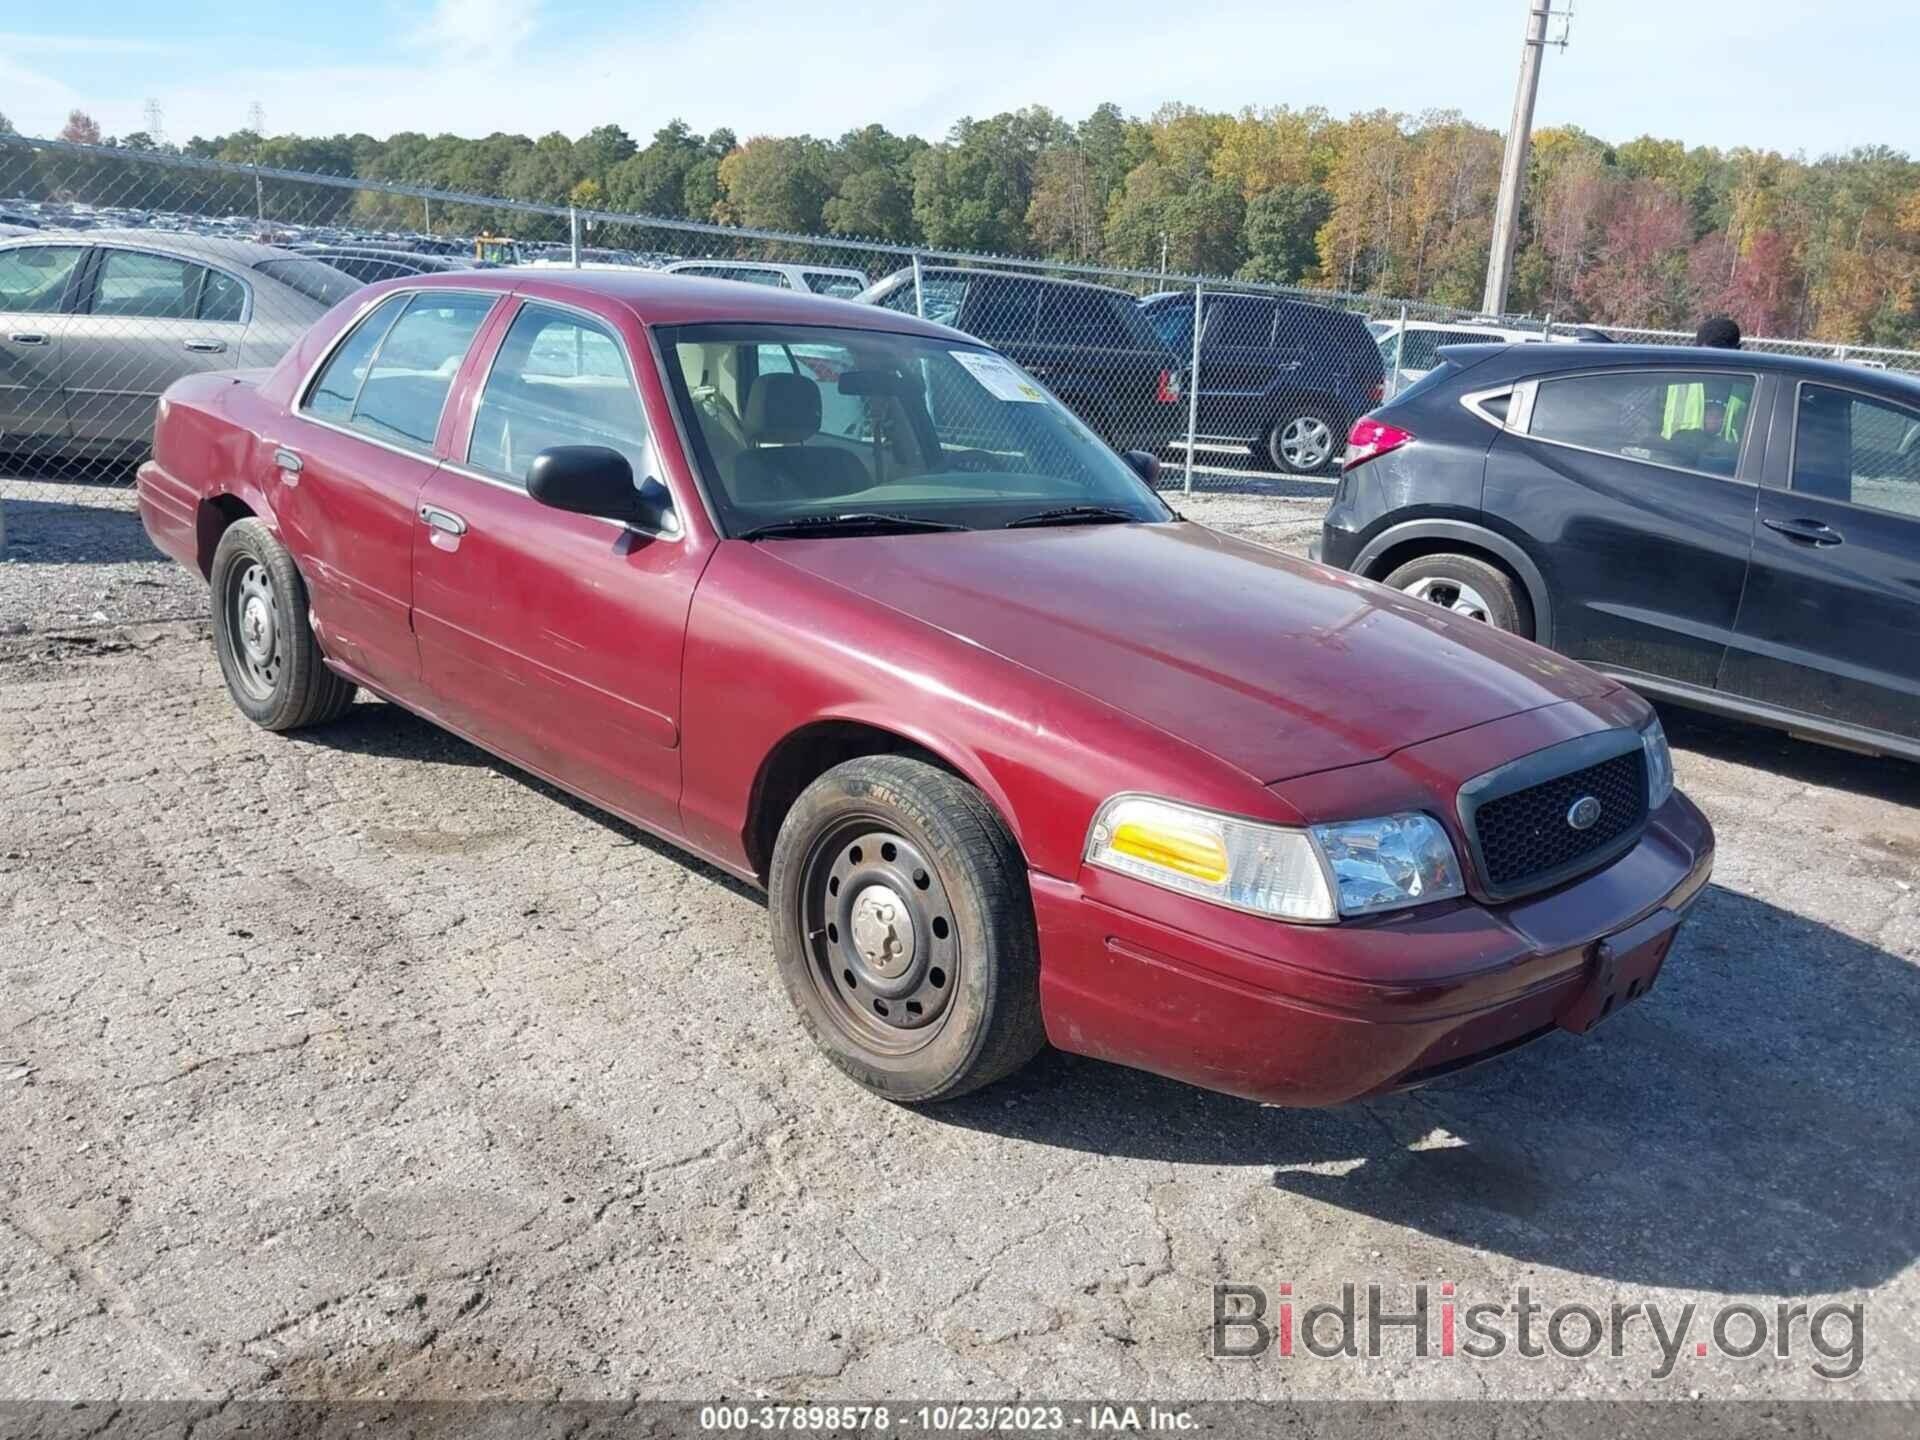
{"x":169,"y":511}
{"x":1310,"y":1015}
{"x":1335,"y":547}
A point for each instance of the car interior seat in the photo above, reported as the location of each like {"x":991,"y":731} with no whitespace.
{"x":782,"y":414}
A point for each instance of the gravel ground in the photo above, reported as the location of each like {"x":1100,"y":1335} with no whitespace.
{"x":355,"y":1063}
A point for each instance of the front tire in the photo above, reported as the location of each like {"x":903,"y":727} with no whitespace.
{"x":1467,"y":586}
{"x":904,"y":932}
{"x":1304,"y":440}
{"x":267,"y":650}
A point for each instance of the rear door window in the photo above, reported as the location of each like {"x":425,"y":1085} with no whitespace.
{"x":338,"y":385}
{"x":148,"y":287}
{"x":1864,"y":451}
{"x":34,"y":278}
{"x":407,"y":384}
{"x":1692,"y":420}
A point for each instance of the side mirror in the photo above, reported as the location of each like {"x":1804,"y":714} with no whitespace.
{"x":1144,"y":465}
{"x":594,"y":480}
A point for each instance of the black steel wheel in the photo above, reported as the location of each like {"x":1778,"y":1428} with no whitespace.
{"x":904,"y":930}
{"x":886,"y":954}
{"x":266,"y":647}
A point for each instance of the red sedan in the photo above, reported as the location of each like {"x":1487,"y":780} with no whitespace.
{"x":848,"y":605}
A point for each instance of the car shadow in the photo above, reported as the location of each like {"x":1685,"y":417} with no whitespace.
{"x":1749,"y":1128}
{"x":107,"y":471}
{"x":1742,"y":743}
{"x":382,"y":730}
{"x":58,"y":532}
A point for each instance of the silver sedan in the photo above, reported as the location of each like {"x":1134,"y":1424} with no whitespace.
{"x":95,"y":324}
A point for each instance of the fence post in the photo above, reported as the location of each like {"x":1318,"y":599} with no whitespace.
{"x":573,"y":234}
{"x":1399,"y":353}
{"x":1193,"y":381}
{"x":919,"y":297}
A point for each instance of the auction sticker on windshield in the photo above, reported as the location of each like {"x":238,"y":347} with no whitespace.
{"x":998,"y":374}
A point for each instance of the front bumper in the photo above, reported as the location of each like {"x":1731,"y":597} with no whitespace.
{"x":1319,"y":1015}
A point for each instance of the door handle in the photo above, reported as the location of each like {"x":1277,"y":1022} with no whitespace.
{"x":1808,"y":532}
{"x":206,"y":347}
{"x":289,"y":464}
{"x":28,"y":337}
{"x":443,"y":520}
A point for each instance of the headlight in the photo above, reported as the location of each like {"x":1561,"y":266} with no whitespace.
{"x":1390,"y":863}
{"x":1357,"y":867}
{"x":1249,"y":866}
{"x":1659,"y":764}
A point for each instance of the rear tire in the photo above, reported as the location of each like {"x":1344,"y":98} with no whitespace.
{"x":904,"y":931}
{"x":1304,"y":440}
{"x":1467,"y":586}
{"x":267,"y":650}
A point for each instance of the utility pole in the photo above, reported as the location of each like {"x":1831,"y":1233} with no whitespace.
{"x":1513,"y":164}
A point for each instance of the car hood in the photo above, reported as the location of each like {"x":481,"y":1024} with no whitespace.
{"x":1278,"y":666}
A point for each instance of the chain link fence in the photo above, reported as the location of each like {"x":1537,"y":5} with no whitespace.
{"x":121,"y":270}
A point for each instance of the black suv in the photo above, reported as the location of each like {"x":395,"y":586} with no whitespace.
{"x":1088,"y":344}
{"x":1727,"y":529}
{"x":1283,"y":378}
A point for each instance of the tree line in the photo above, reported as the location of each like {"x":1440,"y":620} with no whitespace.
{"x":1650,"y":232}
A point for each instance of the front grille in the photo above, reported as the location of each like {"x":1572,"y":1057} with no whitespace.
{"x":1524,"y":838}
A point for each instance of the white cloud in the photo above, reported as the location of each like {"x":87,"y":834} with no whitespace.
{"x":487,"y":32}
{"x":476,"y":66}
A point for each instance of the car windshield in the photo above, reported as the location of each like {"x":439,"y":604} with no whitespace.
{"x":314,"y":279}
{"x":802,"y":423}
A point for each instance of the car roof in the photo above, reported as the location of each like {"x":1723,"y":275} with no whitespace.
{"x":242,"y":253}
{"x":659,"y":297}
{"x":1587,"y":355}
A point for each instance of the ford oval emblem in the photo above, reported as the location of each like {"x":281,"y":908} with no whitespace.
{"x":1584,"y":814}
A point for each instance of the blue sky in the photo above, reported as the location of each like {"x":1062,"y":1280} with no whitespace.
{"x":1781,"y":74}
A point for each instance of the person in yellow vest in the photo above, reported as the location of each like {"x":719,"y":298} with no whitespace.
{"x":1689,"y":407}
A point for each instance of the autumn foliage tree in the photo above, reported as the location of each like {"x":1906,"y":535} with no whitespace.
{"x":1648,"y":231}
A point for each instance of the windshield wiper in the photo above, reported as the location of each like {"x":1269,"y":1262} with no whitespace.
{"x":1077,"y":515}
{"x":869,"y":522}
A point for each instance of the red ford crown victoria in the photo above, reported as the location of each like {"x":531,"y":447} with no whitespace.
{"x":847,"y":605}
